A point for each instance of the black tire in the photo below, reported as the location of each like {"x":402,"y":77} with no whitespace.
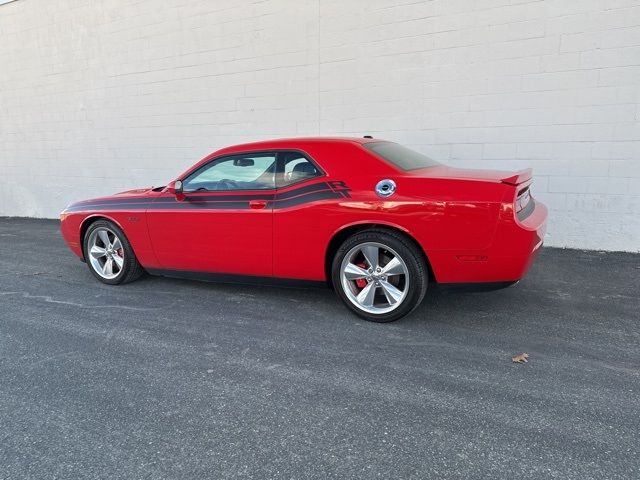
{"x":131,"y":268}
{"x":409,"y":253}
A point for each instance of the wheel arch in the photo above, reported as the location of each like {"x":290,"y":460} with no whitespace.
{"x":88,"y":221}
{"x":344,"y":232}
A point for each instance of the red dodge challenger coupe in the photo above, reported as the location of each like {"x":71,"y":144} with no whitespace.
{"x":373,"y":219}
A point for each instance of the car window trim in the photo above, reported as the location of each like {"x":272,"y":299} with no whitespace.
{"x":322,"y":172}
{"x":309,"y":158}
{"x":238,"y":154}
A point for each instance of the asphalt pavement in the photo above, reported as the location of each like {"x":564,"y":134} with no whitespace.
{"x":167,"y":378}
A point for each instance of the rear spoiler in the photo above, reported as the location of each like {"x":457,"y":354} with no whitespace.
{"x":518,"y":177}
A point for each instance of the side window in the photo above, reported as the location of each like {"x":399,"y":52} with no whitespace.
{"x":295,"y":167}
{"x":236,"y":172}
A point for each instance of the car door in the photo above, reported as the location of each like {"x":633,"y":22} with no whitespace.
{"x":302,"y":190}
{"x":222,"y":220}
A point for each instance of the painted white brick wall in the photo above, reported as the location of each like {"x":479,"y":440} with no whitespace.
{"x":97,"y":97}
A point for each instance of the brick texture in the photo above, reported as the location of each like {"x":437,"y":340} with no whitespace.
{"x":97,"y":97}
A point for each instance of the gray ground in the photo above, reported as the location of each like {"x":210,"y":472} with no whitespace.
{"x":176,"y":379}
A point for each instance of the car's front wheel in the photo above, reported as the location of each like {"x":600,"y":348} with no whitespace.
{"x":109,"y":254}
{"x":380,"y":275}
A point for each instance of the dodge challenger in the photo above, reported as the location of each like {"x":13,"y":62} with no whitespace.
{"x":374,"y":220}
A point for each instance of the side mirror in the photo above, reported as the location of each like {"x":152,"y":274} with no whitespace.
{"x":175,"y":187}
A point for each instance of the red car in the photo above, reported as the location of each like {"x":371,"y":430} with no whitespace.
{"x":375,"y":220}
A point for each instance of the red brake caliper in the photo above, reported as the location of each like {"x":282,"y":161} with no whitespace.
{"x":361,"y":282}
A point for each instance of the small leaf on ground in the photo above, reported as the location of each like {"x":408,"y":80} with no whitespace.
{"x":521,"y":357}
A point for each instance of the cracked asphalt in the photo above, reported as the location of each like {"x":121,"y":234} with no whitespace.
{"x":168,"y":378}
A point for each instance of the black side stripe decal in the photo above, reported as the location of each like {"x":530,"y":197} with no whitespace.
{"x":299,"y":196}
{"x":224,"y":197}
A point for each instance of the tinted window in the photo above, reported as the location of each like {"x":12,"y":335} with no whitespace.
{"x":237,"y":172}
{"x":402,"y":157}
{"x":295,"y":167}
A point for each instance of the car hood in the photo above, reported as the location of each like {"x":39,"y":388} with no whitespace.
{"x":110,"y":199}
{"x":136,"y":192}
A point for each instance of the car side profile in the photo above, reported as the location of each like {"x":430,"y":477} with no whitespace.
{"x":374,"y":220}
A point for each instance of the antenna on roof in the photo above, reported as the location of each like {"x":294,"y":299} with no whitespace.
{"x":367,"y":136}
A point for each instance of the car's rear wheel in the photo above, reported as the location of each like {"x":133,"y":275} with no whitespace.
{"x":109,"y":254}
{"x":380,"y":275}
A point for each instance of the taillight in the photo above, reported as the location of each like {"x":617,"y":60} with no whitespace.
{"x":523,"y":199}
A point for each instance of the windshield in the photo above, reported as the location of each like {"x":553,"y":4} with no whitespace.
{"x":399,"y":156}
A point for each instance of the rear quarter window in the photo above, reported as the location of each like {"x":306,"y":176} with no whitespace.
{"x":401,"y":157}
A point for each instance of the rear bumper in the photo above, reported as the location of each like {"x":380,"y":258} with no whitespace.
{"x":515,"y":246}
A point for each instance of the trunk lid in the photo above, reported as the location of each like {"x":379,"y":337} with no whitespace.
{"x":495,"y":176}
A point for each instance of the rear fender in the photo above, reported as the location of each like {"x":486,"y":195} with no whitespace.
{"x":342,"y":233}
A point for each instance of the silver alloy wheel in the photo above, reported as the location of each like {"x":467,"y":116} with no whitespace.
{"x":106,"y":253}
{"x":374,"y":278}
